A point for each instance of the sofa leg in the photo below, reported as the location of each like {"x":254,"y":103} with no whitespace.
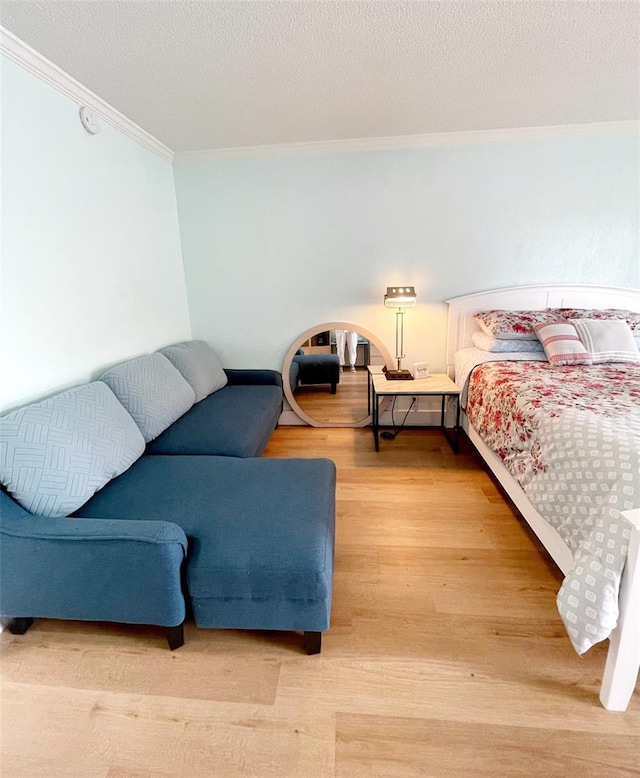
{"x":19,"y":626}
{"x":334,"y":388}
{"x":312,"y":642}
{"x":175,"y":636}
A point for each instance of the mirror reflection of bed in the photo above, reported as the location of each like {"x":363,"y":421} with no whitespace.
{"x":321,"y":390}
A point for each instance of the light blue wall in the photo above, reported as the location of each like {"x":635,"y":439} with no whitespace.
{"x":273,"y":246}
{"x":91,"y":260}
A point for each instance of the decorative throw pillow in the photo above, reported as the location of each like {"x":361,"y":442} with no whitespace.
{"x":152,"y":390}
{"x":501,"y":346}
{"x":606,"y":314}
{"x":56,"y":454}
{"x":199,"y":365}
{"x":607,"y":341}
{"x":562,"y":344}
{"x":512,"y":325}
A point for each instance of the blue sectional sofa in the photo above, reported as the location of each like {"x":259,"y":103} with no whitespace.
{"x":142,"y":496}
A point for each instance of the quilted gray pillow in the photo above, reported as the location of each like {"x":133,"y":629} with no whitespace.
{"x":199,"y":364}
{"x":152,"y":390}
{"x":56,"y":454}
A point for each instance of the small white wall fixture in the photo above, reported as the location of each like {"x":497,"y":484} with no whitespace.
{"x":89,"y":120}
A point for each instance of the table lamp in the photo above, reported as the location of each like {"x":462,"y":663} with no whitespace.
{"x":400,"y":298}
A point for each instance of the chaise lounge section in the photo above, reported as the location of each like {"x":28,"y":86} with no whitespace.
{"x":260,"y":534}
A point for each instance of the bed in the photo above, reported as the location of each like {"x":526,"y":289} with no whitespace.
{"x":623,"y":657}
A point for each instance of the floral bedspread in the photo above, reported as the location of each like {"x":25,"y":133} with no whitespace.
{"x":570,"y":436}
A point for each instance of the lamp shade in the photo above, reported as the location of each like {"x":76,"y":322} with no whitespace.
{"x":400,"y":297}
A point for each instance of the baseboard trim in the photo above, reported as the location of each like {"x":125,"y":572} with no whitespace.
{"x":291,"y":419}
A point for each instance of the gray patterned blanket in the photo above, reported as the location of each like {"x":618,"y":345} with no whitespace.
{"x":570,"y":436}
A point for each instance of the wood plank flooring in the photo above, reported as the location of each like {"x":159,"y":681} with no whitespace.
{"x":348,"y":404}
{"x":446,"y":655}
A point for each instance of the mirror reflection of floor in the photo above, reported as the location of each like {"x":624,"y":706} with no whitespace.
{"x":348,"y":404}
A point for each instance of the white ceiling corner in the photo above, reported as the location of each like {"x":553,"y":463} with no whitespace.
{"x":220,"y":77}
{"x":17,"y":51}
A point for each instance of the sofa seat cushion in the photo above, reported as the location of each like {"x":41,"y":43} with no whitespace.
{"x":261,"y":533}
{"x":200,"y":366}
{"x":236,"y":421}
{"x":153,"y":391}
{"x":55,"y":454}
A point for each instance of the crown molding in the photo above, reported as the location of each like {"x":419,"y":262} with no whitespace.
{"x":22,"y":54}
{"x":548,"y":132}
{"x":19,"y":52}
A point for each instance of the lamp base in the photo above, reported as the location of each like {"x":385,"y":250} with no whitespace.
{"x":398,"y":375}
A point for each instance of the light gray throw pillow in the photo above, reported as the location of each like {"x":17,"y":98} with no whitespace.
{"x":56,"y":454}
{"x":199,"y":364}
{"x":501,"y":346}
{"x":607,"y":341}
{"x":152,"y":390}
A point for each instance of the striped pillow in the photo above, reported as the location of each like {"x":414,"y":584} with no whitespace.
{"x":562,"y":344}
{"x":607,"y":341}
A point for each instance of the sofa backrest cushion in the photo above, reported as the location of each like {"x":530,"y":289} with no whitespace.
{"x":152,"y":390}
{"x":200,"y":366}
{"x":56,"y":454}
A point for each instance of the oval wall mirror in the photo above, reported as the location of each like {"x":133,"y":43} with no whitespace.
{"x":325,"y":374}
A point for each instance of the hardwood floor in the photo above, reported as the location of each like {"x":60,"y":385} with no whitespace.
{"x":446,"y":655}
{"x":348,"y":404}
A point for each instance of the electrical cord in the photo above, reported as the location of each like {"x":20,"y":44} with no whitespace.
{"x":387,"y":434}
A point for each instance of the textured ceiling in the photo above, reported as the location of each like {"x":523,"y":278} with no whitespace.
{"x":210,"y":75}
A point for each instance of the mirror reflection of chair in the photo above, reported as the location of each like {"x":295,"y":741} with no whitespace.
{"x":314,"y":369}
{"x":316,"y":390}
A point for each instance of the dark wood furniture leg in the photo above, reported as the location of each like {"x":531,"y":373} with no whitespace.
{"x":312,"y":642}
{"x":175,"y":636}
{"x":19,"y":626}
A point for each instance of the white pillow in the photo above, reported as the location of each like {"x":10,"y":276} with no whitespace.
{"x":607,"y":341}
{"x":495,"y":345}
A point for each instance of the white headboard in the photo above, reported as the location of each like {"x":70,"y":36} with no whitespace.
{"x":538,"y":297}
